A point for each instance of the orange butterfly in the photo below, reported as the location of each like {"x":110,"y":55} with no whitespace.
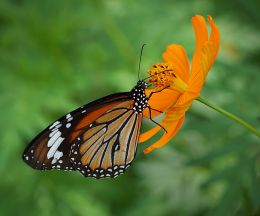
{"x":98,"y":139}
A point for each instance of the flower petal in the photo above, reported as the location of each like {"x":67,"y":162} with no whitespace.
{"x":160,"y":101}
{"x":175,"y":127}
{"x":205,"y":53}
{"x":177,"y":56}
{"x":171,"y":123}
{"x":214,"y":36}
{"x":148,"y":134}
{"x":201,"y":33}
{"x":210,"y":49}
{"x":175,"y":112}
{"x":214,"y":40}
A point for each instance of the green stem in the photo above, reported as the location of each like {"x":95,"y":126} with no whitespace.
{"x":231,"y":116}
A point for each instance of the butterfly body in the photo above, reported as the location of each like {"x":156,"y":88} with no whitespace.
{"x":98,"y":139}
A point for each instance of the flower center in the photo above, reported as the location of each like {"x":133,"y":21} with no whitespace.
{"x":163,"y":76}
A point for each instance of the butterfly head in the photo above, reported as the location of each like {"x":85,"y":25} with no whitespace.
{"x":141,"y":84}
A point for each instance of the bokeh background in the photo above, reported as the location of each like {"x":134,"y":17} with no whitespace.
{"x":58,"y":55}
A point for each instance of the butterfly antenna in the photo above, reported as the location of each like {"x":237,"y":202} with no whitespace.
{"x":140,"y":60}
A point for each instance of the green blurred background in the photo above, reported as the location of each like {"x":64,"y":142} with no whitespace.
{"x":58,"y":55}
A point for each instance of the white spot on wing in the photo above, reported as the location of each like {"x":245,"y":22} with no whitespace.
{"x":53,"y":132}
{"x":53,"y":139}
{"x":54,"y":147}
{"x":56,"y":156}
{"x":54,"y":124}
{"x":69,"y":117}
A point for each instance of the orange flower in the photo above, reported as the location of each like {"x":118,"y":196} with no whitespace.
{"x":179,"y":84}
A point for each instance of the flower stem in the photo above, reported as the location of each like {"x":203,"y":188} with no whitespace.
{"x":231,"y":116}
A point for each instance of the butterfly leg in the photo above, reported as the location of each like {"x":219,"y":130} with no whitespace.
{"x":150,"y":116}
{"x":157,"y":92}
{"x":156,"y":110}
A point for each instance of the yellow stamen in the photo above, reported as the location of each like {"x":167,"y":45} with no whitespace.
{"x":163,"y":76}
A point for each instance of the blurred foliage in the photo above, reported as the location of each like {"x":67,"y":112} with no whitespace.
{"x":58,"y":55}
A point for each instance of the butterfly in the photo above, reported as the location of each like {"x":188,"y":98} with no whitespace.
{"x":98,"y":139}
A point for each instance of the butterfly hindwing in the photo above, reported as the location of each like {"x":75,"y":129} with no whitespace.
{"x":107,"y":147}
